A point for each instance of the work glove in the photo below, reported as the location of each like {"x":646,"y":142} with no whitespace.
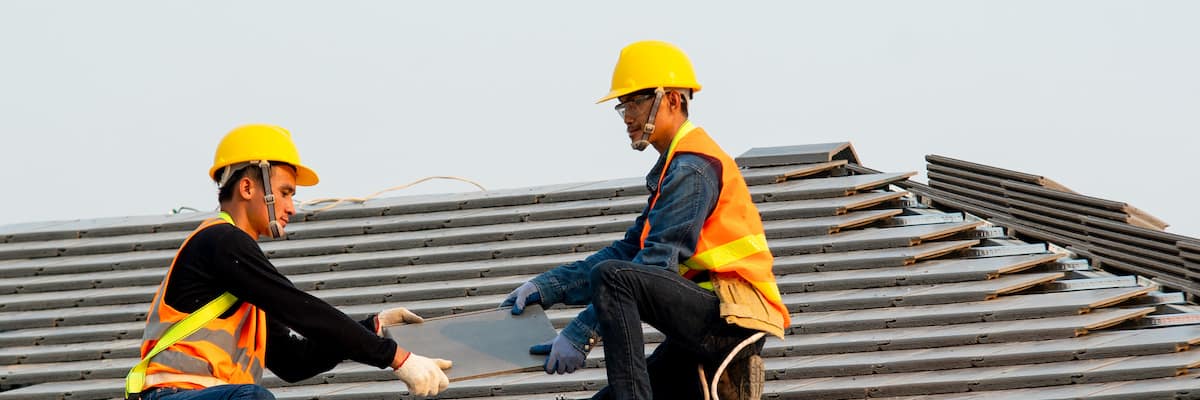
{"x":393,"y":316}
{"x":423,"y":375}
{"x":527,"y":293}
{"x":562,"y":355}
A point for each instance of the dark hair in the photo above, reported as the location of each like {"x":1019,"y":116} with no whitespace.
{"x":225,"y":193}
{"x":683,"y":104}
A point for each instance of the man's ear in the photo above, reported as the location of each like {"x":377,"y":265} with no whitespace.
{"x":245,"y":188}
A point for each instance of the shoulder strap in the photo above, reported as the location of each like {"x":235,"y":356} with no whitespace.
{"x":178,"y":331}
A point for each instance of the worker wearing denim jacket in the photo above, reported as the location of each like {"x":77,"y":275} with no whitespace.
{"x":694,"y":265}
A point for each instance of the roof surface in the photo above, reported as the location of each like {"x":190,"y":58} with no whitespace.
{"x":891,"y":297}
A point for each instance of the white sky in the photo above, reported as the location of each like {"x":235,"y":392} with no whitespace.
{"x":114,"y":108}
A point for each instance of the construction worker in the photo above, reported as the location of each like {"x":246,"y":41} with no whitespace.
{"x":694,"y":265}
{"x":246,"y":309}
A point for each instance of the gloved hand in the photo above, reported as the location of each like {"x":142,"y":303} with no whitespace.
{"x":395,"y":316}
{"x":527,"y":293}
{"x":562,"y":355}
{"x":423,"y":375}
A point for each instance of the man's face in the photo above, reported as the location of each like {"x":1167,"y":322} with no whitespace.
{"x":634,"y":110}
{"x":283,"y":182}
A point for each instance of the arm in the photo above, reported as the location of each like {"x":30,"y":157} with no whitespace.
{"x":240,"y":266}
{"x":570,"y":283}
{"x":690,"y":192}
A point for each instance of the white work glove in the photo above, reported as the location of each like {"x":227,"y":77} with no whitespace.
{"x":423,"y":375}
{"x":393,"y":316}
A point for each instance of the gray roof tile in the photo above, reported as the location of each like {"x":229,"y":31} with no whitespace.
{"x":911,"y":299}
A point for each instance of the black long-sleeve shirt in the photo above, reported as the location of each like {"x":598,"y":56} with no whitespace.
{"x":223,"y":258}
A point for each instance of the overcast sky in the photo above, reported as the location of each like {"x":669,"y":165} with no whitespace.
{"x":115,"y":108}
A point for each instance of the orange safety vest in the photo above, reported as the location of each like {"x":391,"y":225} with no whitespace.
{"x":732,"y":240}
{"x":230,"y":350}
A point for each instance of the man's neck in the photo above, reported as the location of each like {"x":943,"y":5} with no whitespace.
{"x":240,"y":218}
{"x":671,"y":128}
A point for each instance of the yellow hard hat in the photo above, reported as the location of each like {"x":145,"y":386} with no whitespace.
{"x":651,"y":64}
{"x":261,"y":142}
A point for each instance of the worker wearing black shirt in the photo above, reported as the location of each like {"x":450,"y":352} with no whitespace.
{"x":224,"y":359}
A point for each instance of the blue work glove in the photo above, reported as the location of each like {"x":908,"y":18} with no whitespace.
{"x":562,"y":355}
{"x":527,"y":293}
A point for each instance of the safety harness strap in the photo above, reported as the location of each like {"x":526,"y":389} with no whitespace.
{"x":269,"y":198}
{"x":136,"y":379}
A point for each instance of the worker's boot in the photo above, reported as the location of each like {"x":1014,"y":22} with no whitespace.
{"x":743,"y":379}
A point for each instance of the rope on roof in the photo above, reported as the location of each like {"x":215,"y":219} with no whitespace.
{"x":359,"y":200}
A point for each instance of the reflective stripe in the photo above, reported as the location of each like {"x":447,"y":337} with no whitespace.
{"x":256,"y":369}
{"x":200,"y":349}
{"x":135,"y":381}
{"x":166,"y":378}
{"x":720,"y":256}
{"x":183,"y":362}
{"x":220,"y":339}
{"x":228,"y":218}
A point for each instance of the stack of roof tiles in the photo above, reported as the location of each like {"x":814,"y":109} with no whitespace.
{"x":890,"y":298}
{"x":1111,"y":234}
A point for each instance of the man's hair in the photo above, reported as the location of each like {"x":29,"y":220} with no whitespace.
{"x":685,"y":96}
{"x":225,"y":193}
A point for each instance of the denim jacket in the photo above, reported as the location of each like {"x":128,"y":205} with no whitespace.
{"x":690,"y":191}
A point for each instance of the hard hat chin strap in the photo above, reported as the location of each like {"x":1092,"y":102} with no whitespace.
{"x":648,"y":128}
{"x":269,"y":198}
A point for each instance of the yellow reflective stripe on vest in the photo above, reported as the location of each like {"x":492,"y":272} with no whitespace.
{"x":228,"y":218}
{"x":136,"y":380}
{"x":728,"y":253}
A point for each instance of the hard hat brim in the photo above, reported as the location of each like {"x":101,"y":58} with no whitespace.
{"x":614,"y":94}
{"x":305,"y":176}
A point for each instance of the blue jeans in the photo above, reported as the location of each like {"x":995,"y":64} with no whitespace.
{"x":625,"y":295}
{"x":222,"y":392}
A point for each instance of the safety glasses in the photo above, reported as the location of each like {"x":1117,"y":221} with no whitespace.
{"x":635,"y":101}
